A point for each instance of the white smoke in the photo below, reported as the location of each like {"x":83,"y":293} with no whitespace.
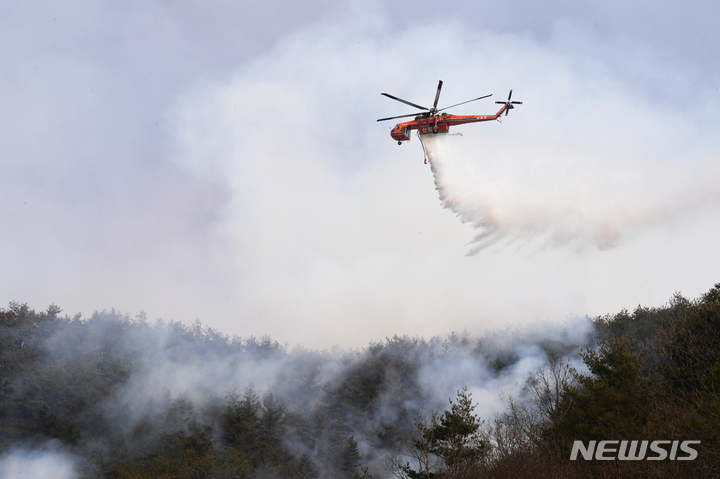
{"x":179,"y":376}
{"x":37,"y":464}
{"x":510,"y":198}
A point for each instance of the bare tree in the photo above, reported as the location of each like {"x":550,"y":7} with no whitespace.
{"x":418,"y":448}
{"x":529,"y":432}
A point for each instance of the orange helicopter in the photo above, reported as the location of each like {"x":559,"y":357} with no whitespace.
{"x":432,"y":121}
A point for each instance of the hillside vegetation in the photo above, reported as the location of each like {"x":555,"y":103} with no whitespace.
{"x":126,"y":398}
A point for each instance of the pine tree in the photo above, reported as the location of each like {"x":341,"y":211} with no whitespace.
{"x":457,"y":437}
{"x":454,"y":438}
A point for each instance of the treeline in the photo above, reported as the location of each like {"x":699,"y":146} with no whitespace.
{"x":654,"y":375}
{"x":132,"y":399}
{"x":61,"y":380}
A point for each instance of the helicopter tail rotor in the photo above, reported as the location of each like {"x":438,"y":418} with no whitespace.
{"x":509,"y":103}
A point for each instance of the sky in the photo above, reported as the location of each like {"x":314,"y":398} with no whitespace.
{"x":222,"y":161}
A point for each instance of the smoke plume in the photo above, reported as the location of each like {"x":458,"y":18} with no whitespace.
{"x":37,"y":464}
{"x":582,"y":204}
{"x":115,"y":389}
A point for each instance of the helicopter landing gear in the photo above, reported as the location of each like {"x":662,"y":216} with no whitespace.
{"x":435,"y":130}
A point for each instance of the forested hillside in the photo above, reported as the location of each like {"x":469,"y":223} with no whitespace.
{"x":122,"y":397}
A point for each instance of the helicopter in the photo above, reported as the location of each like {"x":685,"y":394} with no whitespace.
{"x":434,"y":120}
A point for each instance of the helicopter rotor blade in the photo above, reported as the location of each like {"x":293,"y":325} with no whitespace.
{"x":509,"y":96}
{"x":458,"y":104}
{"x":437,"y":95}
{"x":404,"y":101}
{"x":401,"y":116}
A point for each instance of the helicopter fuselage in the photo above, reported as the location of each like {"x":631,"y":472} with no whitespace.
{"x":429,"y":125}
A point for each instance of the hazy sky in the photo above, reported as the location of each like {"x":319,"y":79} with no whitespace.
{"x":221,"y":160}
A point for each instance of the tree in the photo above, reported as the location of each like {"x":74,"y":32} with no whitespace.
{"x":458,"y":441}
{"x":272,"y":431}
{"x":420,"y":447}
{"x":350,"y":456}
{"x":447,"y":446}
{"x":534,"y":420}
{"x":612,"y":401}
{"x":242,"y":426}
{"x":691,"y":345}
